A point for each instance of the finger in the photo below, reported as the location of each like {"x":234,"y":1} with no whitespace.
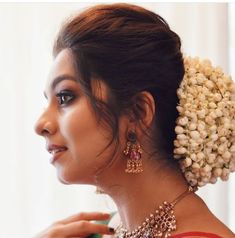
{"x":89,"y":216}
{"x":85,"y":228}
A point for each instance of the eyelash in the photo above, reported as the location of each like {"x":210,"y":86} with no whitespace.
{"x":62,"y":95}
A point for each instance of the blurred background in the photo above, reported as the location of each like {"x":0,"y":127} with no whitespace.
{"x":31,"y":196}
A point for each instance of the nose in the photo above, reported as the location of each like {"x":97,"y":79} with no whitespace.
{"x":45,"y":125}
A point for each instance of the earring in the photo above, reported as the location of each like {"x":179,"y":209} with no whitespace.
{"x":133,"y":152}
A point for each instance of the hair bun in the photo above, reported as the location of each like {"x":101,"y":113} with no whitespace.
{"x":205,"y":128}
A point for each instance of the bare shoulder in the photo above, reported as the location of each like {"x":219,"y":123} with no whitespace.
{"x":216,"y":226}
{"x":219,"y":228}
{"x":206,"y":222}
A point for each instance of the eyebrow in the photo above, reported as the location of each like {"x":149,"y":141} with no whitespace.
{"x":58,"y":79}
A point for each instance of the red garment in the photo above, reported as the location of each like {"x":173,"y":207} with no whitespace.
{"x":197,"y":234}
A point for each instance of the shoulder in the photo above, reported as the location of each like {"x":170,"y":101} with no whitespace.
{"x":199,"y":234}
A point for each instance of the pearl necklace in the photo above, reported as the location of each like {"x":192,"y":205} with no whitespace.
{"x":157,"y":225}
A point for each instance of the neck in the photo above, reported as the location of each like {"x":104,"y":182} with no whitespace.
{"x":138,"y":195}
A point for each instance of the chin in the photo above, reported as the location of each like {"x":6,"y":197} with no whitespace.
{"x":64,"y":177}
{"x":68,"y":179}
{"x":62,"y":180}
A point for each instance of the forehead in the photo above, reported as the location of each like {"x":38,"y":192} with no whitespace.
{"x":63,"y":64}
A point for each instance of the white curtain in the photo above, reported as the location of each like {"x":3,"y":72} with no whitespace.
{"x":31,"y":196}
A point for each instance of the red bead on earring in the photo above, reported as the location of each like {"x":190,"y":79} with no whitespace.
{"x":133,"y":151}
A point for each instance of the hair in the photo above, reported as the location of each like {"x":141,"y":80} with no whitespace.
{"x":131,"y":50}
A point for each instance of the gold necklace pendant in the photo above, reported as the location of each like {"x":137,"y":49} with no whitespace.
{"x":160,"y":224}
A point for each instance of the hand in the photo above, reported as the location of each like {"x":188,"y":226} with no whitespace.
{"x":78,"y":226}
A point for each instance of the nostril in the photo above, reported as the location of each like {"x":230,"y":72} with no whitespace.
{"x":44,"y":132}
{"x":46,"y":123}
{"x":43,"y":127}
{"x":47,"y":128}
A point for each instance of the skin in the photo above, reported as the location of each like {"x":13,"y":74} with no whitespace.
{"x":73,"y":124}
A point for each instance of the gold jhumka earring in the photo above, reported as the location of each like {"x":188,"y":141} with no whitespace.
{"x":133,"y":151}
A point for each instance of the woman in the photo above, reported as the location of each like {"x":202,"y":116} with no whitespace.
{"x":110,"y":122}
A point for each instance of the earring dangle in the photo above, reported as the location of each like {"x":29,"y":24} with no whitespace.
{"x":133,"y":151}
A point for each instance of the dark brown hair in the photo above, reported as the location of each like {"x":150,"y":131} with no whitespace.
{"x":130,"y":49}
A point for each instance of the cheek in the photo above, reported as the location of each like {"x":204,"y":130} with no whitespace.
{"x":84,"y":138}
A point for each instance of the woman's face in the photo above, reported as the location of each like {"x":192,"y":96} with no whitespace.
{"x":73,"y":136}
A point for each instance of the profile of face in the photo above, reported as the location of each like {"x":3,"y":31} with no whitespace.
{"x":72,"y":133}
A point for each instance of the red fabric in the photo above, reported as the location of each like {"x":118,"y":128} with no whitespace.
{"x":197,"y":234}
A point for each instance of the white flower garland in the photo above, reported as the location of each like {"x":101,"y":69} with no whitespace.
{"x":205,"y":128}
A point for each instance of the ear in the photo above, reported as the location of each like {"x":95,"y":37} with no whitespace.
{"x":144,"y":109}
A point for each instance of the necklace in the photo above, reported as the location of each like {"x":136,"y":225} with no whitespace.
{"x":157,"y":225}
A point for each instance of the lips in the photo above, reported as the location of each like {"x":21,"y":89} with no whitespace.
{"x":56,"y":151}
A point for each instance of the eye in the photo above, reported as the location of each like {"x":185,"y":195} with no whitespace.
{"x":65,"y":97}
